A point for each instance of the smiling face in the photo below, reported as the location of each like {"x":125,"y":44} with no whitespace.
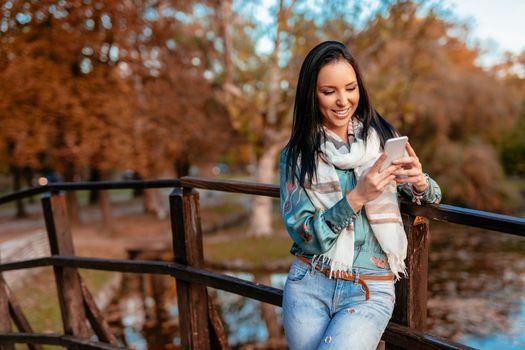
{"x":337,"y":95}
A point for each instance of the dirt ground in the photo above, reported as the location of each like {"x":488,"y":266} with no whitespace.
{"x":131,"y":228}
{"x":131,"y":232}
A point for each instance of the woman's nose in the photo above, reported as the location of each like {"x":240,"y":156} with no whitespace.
{"x":340,"y":101}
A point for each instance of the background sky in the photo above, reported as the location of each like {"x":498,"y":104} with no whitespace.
{"x":498,"y":26}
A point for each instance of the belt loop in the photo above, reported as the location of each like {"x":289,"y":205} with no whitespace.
{"x":313,"y":265}
{"x":356,"y":276}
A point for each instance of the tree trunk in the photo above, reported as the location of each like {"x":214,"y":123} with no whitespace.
{"x":226,"y":20}
{"x":28,"y":179}
{"x":105,"y":207}
{"x":17,"y":186}
{"x":261,"y":213}
{"x":153,"y":203}
{"x":149,"y":201}
{"x":94,"y":194}
{"x":182,"y":167}
{"x":71,"y":197}
{"x":137,"y":192}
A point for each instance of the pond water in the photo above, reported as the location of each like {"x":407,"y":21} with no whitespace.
{"x":514,"y":339}
{"x":242,"y":316}
{"x":477,"y":287}
{"x":476,"y":294}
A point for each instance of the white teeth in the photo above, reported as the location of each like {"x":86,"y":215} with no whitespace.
{"x":342,"y":113}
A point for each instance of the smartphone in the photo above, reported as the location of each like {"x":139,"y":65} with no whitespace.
{"x":394,"y":148}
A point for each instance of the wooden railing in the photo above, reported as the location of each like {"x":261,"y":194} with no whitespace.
{"x":200,"y":324}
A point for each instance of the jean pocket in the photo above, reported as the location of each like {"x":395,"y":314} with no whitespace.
{"x":383,"y":289}
{"x":298,"y":271}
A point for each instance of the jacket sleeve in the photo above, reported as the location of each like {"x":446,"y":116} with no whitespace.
{"x":432,"y":194}
{"x":313,"y":231}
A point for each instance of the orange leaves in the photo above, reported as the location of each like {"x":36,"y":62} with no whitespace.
{"x":54,"y":115}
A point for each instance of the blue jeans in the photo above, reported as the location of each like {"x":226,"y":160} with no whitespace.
{"x":323,"y":313}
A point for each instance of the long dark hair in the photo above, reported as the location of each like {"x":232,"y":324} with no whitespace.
{"x":307,"y":128}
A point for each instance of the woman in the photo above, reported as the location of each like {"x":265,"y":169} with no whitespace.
{"x":340,"y":210}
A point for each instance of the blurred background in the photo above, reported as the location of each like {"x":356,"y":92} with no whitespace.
{"x":146,"y":89}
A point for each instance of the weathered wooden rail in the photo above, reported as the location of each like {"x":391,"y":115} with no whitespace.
{"x":200,"y":324}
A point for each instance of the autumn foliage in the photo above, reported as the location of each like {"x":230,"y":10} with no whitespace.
{"x":155,"y":86}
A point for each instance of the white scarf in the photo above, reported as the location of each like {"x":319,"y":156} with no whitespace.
{"x":382,"y":213}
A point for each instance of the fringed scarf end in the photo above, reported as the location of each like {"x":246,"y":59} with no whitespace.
{"x":336,"y":267}
{"x":397,"y":266}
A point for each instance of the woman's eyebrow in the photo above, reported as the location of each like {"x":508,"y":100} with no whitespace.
{"x":332,"y":86}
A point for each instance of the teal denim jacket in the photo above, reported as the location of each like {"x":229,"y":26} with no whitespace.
{"x":314,"y":232}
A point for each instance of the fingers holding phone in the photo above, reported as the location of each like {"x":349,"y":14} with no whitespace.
{"x":410,"y":170}
{"x":373,"y":183}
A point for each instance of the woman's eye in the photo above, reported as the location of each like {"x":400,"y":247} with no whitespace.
{"x":351,"y":89}
{"x":327,"y":92}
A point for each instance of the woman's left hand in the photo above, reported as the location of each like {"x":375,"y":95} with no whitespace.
{"x":411,"y":170}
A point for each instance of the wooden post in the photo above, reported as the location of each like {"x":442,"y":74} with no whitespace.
{"x":5,"y":320}
{"x":192,"y":298}
{"x":218,"y":338}
{"x":268,"y":313}
{"x":67,"y":279}
{"x":158,"y":288}
{"x":16,"y":313}
{"x":411,"y":292}
{"x":95,"y":317}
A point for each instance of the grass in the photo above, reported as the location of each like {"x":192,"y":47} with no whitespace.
{"x":228,"y":176}
{"x":225,"y":209}
{"x":255,"y":250}
{"x":237,"y":244}
{"x":518,"y":183}
{"x":39,"y":301}
{"x":95,"y":279}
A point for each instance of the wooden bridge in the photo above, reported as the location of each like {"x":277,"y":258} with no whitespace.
{"x":200,"y":323}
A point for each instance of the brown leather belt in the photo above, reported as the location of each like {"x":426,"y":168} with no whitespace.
{"x":349,"y":276}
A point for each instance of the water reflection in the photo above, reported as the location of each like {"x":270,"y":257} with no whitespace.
{"x":132,"y":309}
{"x":242,"y":319}
{"x":242,"y":316}
{"x":514,"y":339}
{"x":148,"y":316}
{"x":476,"y":286}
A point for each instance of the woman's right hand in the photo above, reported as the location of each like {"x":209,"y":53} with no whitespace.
{"x":371,"y":184}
